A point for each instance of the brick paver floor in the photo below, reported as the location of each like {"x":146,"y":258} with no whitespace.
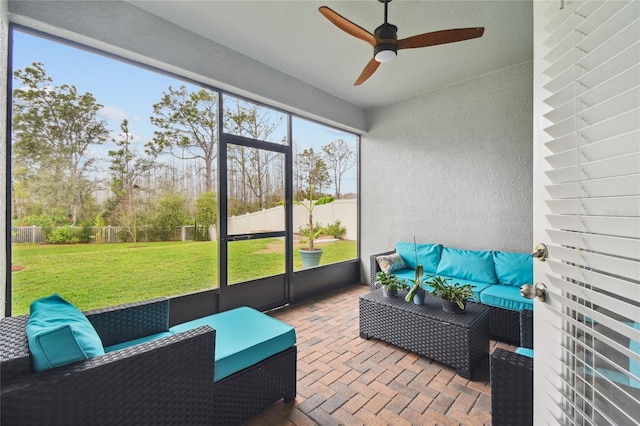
{"x":346,"y":380}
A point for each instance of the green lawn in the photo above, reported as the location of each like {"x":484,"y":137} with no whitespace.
{"x":97,"y":275}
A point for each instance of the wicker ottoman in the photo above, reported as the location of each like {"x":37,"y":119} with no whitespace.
{"x":458,"y":340}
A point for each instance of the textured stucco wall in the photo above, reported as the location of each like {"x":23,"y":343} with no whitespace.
{"x":452,"y":166}
{"x":4,"y":44}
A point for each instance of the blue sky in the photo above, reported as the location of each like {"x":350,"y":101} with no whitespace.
{"x":127,"y":91}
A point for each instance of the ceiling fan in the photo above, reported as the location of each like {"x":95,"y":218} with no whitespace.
{"x":385,"y":41}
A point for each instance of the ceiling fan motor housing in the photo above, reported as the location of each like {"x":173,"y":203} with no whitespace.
{"x":386,"y":32}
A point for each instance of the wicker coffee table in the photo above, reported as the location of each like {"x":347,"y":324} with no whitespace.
{"x":458,"y":340}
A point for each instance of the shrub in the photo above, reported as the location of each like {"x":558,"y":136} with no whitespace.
{"x":336,"y":230}
{"x":63,"y":235}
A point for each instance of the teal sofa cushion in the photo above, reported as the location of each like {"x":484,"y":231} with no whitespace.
{"x":513,"y":269}
{"x":525,"y":352}
{"x":59,"y":334}
{"x":137,"y":341}
{"x":467,"y":265}
{"x":634,"y":345}
{"x":504,"y":296}
{"x":428,"y":255}
{"x":408,"y":274}
{"x":244,"y":337}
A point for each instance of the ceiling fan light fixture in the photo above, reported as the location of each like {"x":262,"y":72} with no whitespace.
{"x":385,"y":55}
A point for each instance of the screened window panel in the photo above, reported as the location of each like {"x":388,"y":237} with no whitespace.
{"x":592,"y":72}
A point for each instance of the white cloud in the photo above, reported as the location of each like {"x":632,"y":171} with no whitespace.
{"x":112,"y":113}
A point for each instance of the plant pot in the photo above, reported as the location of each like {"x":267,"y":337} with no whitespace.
{"x":418,"y":298}
{"x":389,"y":292}
{"x":452,"y":307}
{"x":310,"y":258}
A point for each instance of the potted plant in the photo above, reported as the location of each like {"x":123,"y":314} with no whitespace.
{"x":311,"y":255}
{"x":416,"y":292}
{"x":454,"y":296}
{"x":390,"y":284}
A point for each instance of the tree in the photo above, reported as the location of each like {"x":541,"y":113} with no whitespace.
{"x":171,"y":212}
{"x":54,"y":129}
{"x":207,"y":209}
{"x":312,"y":173}
{"x":127,"y":166}
{"x":188,"y":127}
{"x":253,"y":164}
{"x":339,"y":158}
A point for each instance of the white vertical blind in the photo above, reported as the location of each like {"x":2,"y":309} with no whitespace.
{"x":592,"y":71}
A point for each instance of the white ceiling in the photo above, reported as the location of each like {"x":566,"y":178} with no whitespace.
{"x":294,"y":38}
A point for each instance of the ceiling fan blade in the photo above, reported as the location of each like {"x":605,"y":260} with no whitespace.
{"x":440,"y":37}
{"x":368,"y":70}
{"x":347,"y":26}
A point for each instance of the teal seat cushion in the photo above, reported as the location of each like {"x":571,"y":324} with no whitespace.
{"x":137,"y":341}
{"x":407,"y":274}
{"x":428,"y":255}
{"x":513,"y":269}
{"x":473,"y":265}
{"x":525,"y":352}
{"x":634,"y":345}
{"x":505,"y":296}
{"x":244,"y":337}
{"x":59,"y":334}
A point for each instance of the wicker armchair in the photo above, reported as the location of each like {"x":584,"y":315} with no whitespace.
{"x":166,"y":381}
{"x":512,"y":380}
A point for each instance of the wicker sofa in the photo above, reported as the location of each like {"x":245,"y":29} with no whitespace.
{"x":164,"y":380}
{"x":496,"y":275}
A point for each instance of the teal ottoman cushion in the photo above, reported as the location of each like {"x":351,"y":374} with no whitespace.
{"x":137,"y":341}
{"x":513,"y":269}
{"x":470,"y":265}
{"x":59,"y":334}
{"x":244,"y":337}
{"x":428,"y":255}
{"x":505,"y":296}
{"x":525,"y":352}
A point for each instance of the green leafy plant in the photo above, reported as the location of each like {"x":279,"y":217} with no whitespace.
{"x":390,"y":281}
{"x":336,"y":230}
{"x":417,"y":282}
{"x":63,"y":235}
{"x":456,"y":293}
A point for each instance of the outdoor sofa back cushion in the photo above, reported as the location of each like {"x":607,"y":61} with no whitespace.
{"x":467,"y":265}
{"x":428,"y":255}
{"x":59,"y":334}
{"x":513,"y":269}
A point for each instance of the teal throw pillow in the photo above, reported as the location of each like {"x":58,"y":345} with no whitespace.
{"x":391,"y":263}
{"x":59,"y":334}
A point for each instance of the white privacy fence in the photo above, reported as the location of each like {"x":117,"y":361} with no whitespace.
{"x":346,"y":211}
{"x":266,"y":220}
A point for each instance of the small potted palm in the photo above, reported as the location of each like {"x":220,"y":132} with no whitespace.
{"x":311,"y":255}
{"x":390,"y":284}
{"x":454,"y":296}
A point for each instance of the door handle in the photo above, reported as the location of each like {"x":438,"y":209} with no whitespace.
{"x":540,"y":252}
{"x":539,"y":291}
